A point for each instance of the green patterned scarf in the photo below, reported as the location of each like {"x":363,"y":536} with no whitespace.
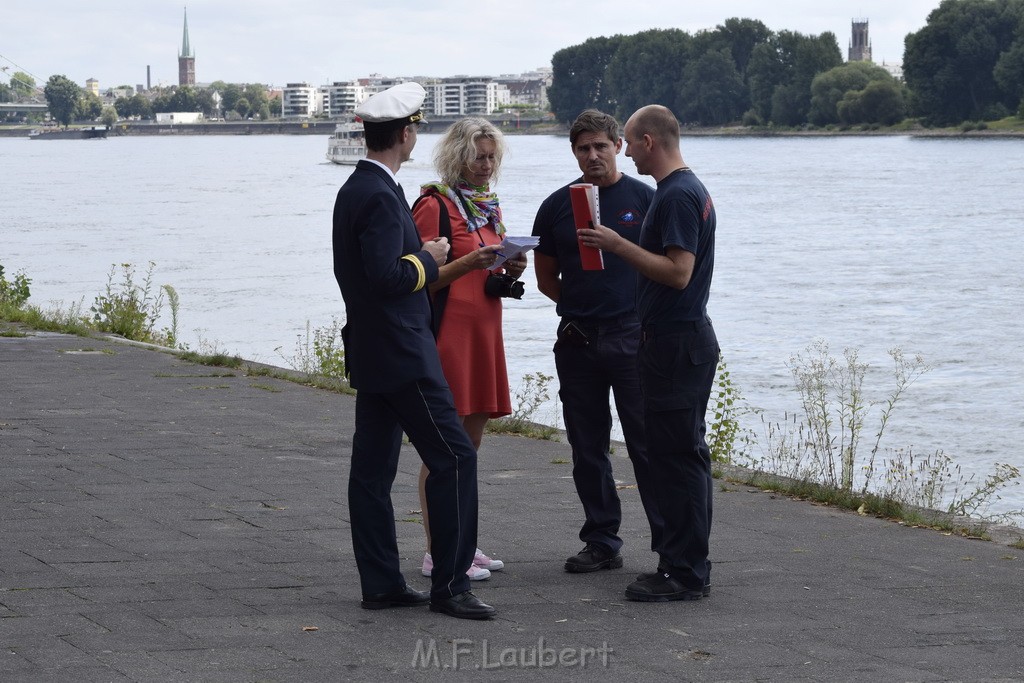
{"x":481,"y":202}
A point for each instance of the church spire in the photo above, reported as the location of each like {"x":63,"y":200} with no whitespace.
{"x":186,"y":49}
{"x":187,"y":59}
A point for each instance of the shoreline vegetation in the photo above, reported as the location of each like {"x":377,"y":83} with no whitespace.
{"x":805,"y":460}
{"x":1010,"y":127}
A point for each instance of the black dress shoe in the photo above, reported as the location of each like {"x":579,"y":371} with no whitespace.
{"x":463,"y":606}
{"x":592,"y":558}
{"x":403,"y":597}
{"x":645,"y":576}
{"x":661,"y":588}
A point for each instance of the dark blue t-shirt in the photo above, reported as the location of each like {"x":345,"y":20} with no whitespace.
{"x":681,"y":215}
{"x":594,"y":293}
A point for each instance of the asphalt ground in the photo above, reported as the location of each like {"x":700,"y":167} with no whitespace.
{"x":165,"y":521}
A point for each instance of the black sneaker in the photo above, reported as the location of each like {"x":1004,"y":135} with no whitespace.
{"x":643,"y":576}
{"x":592,"y":558}
{"x":660,"y":588}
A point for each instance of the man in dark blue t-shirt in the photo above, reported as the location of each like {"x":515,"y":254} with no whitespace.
{"x":678,"y":350}
{"x":598,"y":338}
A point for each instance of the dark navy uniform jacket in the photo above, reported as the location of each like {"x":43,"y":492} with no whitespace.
{"x":383,"y":271}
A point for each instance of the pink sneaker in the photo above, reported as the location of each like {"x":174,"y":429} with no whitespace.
{"x":484,"y":562}
{"x":474,"y":572}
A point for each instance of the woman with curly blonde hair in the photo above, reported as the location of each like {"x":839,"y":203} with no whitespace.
{"x":469,"y":340}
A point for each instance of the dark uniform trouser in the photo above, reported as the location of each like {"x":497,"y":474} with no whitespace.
{"x":425,"y":412}
{"x":677,"y":371}
{"x":585,"y":376}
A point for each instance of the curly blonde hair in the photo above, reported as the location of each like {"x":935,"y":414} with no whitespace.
{"x":457,"y":148}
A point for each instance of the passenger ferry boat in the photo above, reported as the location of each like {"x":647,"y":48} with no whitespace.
{"x":347,"y":145}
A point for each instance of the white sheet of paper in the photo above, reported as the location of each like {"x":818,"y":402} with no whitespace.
{"x":514,"y":245}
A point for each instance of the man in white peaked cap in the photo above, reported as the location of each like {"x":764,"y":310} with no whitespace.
{"x":383,"y":270}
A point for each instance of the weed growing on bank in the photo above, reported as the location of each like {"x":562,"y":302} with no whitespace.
{"x":726,"y":438}
{"x":14,"y":307}
{"x":127,"y":308}
{"x":131,"y":309}
{"x":827,"y":446}
{"x":320,"y":355}
{"x":15,"y":293}
{"x":530,"y":395}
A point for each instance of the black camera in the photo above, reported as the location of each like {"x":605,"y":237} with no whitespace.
{"x":502,"y":285}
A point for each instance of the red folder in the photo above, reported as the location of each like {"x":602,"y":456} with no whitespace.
{"x":587,"y":214}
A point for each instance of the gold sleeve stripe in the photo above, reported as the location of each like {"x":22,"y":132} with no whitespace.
{"x":422,"y":274}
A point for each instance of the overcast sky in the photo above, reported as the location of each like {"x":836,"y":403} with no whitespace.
{"x":320,"y":41}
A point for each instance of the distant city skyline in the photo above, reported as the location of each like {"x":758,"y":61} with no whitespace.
{"x":113,"y":41}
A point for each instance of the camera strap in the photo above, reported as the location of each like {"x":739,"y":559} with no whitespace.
{"x":444,"y":229}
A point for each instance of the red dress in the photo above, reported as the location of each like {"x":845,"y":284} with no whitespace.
{"x":470,"y":342}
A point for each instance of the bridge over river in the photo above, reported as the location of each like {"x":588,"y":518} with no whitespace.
{"x":22,"y":107}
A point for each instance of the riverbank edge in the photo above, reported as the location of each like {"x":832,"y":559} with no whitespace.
{"x":326,"y":128}
{"x":936,"y":520}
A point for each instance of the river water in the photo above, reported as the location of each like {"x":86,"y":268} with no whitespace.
{"x":864,"y":242}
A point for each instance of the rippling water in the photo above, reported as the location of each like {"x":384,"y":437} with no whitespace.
{"x":869,"y":243}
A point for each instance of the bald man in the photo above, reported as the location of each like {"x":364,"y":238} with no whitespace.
{"x":678,"y":353}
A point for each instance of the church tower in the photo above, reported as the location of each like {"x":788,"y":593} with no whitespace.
{"x":186,"y":59}
{"x":860,"y":44}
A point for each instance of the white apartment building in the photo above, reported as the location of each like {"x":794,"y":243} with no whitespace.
{"x":464,"y":96}
{"x":342,"y":98}
{"x":530,"y":88}
{"x":895,"y":70}
{"x":301,"y":101}
{"x":446,"y":97}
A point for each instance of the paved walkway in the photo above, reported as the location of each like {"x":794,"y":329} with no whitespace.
{"x":164,"y":521}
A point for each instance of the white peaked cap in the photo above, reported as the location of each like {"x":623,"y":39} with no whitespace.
{"x":399,"y":104}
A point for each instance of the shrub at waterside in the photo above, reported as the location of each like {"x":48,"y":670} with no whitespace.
{"x":824,"y":446}
{"x":128,"y":309}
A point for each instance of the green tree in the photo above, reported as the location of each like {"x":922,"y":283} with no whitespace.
{"x":814,"y":55}
{"x":22,"y":84}
{"x":256,"y":94}
{"x":741,"y":36}
{"x":90,"y":107}
{"x":647,"y":68}
{"x":788,"y":105}
{"x":275,"y":106}
{"x":949,"y":65}
{"x":205,"y":102}
{"x":184,"y":99}
{"x":828,"y":88}
{"x":578,"y":78}
{"x":230,"y":93}
{"x":109,"y":116}
{"x":141,"y":106}
{"x":62,"y":95}
{"x":781,"y":72}
{"x":764,"y":72}
{"x":1009,"y":70}
{"x":713,"y":92}
{"x":242,"y":107}
{"x":6,"y":93}
{"x":878,"y":102}
{"x":264,"y":112}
